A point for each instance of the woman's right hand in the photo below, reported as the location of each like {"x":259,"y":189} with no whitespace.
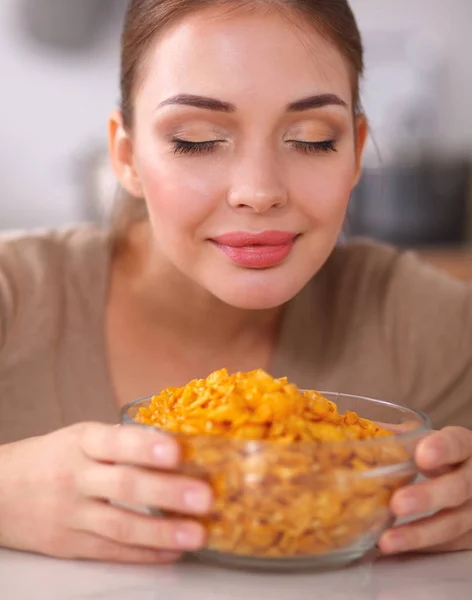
{"x":55,"y":492}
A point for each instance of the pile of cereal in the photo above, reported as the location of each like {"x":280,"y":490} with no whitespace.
{"x":253,"y":406}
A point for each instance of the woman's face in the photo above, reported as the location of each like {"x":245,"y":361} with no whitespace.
{"x":244,"y":148}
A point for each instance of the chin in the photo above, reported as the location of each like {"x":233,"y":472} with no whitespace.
{"x":254,"y":301}
{"x":257,"y":292}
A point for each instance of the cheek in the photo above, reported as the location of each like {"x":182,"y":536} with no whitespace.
{"x":324,"y":189}
{"x":180,"y":198}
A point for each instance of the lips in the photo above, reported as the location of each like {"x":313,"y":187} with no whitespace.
{"x":240,"y":239}
{"x":256,"y":250}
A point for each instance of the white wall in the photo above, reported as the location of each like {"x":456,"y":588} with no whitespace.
{"x":447,"y":23}
{"x":54,"y":109}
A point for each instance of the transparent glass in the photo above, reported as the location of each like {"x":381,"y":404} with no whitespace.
{"x":303,"y":505}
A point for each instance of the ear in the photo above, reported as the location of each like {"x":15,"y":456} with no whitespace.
{"x":120,"y":147}
{"x":361,"y":132}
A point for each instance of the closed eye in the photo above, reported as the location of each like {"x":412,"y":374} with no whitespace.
{"x":186,"y":147}
{"x":313,"y":147}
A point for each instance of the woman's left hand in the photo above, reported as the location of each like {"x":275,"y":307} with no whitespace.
{"x":445,"y":458}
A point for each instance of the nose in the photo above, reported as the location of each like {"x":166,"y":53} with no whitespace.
{"x":257,"y":185}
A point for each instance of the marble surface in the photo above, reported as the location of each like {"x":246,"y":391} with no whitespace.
{"x":442,"y":577}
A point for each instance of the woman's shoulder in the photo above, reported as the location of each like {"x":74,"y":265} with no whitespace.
{"x":37,"y":261}
{"x":370,"y":264}
{"x":400,"y":327}
{"x":41,"y":270}
{"x":392,"y":295}
{"x":22,"y":245}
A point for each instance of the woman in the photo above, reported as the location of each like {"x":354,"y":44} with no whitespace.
{"x":239,"y":141}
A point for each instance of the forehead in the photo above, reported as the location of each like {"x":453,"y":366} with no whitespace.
{"x":244,"y":56}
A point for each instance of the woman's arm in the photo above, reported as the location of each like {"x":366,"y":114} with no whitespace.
{"x":428,"y":316}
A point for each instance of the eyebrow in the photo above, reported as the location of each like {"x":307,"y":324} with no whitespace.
{"x":309,"y":103}
{"x":199,"y":102}
{"x":319,"y":101}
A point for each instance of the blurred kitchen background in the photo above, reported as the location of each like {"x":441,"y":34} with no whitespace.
{"x":59,"y":80}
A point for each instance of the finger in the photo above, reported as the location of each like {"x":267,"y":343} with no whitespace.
{"x":464,"y":542}
{"x":93,"y":547}
{"x":433,"y":473}
{"x":449,"y":491}
{"x":450,"y":446}
{"x":443,"y":527}
{"x":132,"y":529}
{"x":145,"y":488}
{"x":130,"y":445}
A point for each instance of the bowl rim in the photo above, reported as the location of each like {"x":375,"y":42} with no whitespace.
{"x":424,"y":427}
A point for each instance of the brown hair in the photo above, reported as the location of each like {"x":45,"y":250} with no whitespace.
{"x":146,"y":19}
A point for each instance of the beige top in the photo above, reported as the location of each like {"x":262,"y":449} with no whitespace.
{"x":373,"y":322}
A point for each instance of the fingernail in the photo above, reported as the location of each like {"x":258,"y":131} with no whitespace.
{"x":198,"y":501}
{"x":433,"y":455}
{"x":408,"y":505}
{"x":165,"y":454}
{"x":432,"y":452}
{"x":188,"y":538}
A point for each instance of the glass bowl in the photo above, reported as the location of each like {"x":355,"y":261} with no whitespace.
{"x":285,"y":507}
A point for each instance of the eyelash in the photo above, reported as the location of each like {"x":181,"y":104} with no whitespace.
{"x":184,"y":147}
{"x":314,"y":147}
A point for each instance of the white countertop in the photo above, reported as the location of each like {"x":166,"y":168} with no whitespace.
{"x":443,"y":577}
